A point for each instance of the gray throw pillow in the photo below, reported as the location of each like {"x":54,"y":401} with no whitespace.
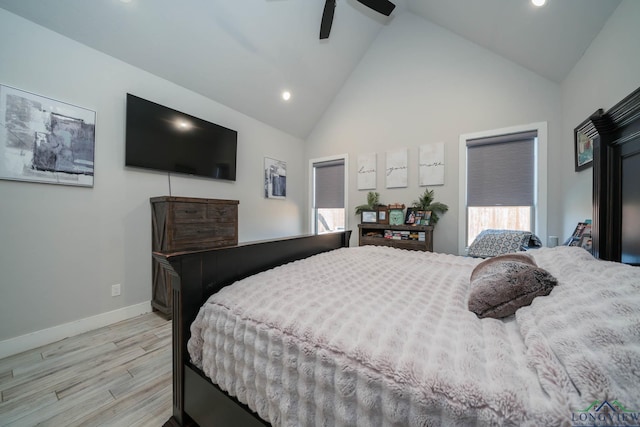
{"x":497,"y":242}
{"x":503,"y":284}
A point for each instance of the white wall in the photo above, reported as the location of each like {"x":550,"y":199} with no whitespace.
{"x":419,"y":83}
{"x":63,"y":247}
{"x":608,"y":71}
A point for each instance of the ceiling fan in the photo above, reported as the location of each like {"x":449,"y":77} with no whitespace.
{"x":384,"y":7}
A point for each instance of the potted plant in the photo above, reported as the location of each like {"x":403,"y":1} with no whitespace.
{"x":426,"y":203}
{"x":373,"y":201}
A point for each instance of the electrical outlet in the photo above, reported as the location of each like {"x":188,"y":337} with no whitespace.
{"x":115,"y":290}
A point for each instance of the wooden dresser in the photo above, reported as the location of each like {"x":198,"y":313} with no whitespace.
{"x":185,"y":223}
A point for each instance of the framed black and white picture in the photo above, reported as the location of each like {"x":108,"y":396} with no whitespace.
{"x":275,"y":179}
{"x":45,"y":140}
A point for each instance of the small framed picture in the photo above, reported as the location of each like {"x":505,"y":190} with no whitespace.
{"x":410,"y":216}
{"x":383,"y":215}
{"x":426,"y":218}
{"x":417,"y":217}
{"x":396,"y":216}
{"x":583,"y":136}
{"x":369,"y":217}
{"x":584,"y":151}
{"x":422,"y":218}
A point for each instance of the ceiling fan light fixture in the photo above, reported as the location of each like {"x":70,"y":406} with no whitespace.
{"x":539,"y":3}
{"x":384,"y":7}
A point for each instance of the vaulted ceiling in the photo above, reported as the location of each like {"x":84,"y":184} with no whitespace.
{"x":243,"y":54}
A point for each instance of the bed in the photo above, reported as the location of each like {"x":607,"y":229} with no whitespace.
{"x":558,"y":360}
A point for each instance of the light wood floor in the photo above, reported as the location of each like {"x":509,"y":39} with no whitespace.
{"x":119,"y":375}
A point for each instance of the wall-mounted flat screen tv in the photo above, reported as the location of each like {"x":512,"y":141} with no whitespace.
{"x":163,"y":139}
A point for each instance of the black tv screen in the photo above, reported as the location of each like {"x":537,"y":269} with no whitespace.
{"x":163,"y":139}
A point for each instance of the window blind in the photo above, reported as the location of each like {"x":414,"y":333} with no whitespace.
{"x":329,"y":185}
{"x":500,"y":170}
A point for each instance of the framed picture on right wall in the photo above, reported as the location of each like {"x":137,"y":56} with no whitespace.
{"x":583,"y":136}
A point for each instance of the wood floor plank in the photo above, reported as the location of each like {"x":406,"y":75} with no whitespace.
{"x":155,"y":361}
{"x":76,"y":343}
{"x":5,"y":376}
{"x":67,"y":411}
{"x":148,"y":340}
{"x":154,"y":411}
{"x":116,"y":375}
{"x":127,"y":403}
{"x":69,"y":416}
{"x":44,"y":375}
{"x":26,"y":358}
{"x":46,"y":366}
{"x":141,"y":378}
{"x":12,"y":411}
{"x":106,"y":380}
{"x":117,"y":331}
{"x":80,"y":370}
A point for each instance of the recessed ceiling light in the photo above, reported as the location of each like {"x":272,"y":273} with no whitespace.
{"x":538,"y":2}
{"x":286,"y":95}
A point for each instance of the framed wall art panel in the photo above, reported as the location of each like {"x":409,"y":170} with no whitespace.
{"x":45,"y":140}
{"x":367,"y":168}
{"x":396,"y":171}
{"x":431,"y":167}
{"x":275,"y":179}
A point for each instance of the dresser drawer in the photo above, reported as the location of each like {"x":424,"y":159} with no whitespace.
{"x":203,"y":235}
{"x":222,"y":212}
{"x":188,"y":212}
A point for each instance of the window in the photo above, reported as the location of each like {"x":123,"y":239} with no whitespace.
{"x":502,"y":174}
{"x":328,"y":195}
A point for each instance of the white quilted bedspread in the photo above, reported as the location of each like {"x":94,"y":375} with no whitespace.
{"x":376,"y":336}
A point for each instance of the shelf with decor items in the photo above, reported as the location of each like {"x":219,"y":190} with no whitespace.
{"x":187,"y":223}
{"x":413,"y":237}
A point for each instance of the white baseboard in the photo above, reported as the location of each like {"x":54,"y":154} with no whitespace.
{"x":47,"y":336}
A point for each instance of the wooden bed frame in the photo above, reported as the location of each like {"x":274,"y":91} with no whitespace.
{"x":196,"y":400}
{"x":616,"y":178}
{"x":616,"y":237}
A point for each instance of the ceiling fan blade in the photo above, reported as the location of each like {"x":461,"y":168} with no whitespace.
{"x":327,"y":18}
{"x":384,"y":7}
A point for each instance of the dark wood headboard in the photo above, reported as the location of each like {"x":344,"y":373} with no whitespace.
{"x":616,"y":181}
